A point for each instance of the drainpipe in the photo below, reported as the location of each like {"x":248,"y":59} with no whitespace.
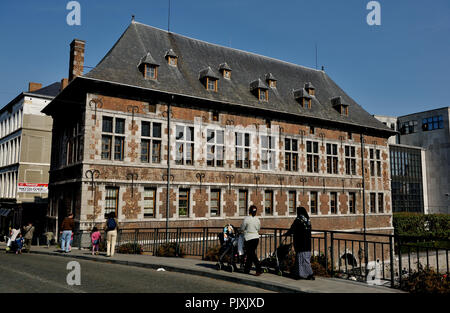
{"x":168,"y":166}
{"x":366,"y":257}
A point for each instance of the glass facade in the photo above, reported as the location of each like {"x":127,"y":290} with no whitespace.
{"x":407,"y":183}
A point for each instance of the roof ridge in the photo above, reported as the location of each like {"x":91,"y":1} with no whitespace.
{"x":235,"y":49}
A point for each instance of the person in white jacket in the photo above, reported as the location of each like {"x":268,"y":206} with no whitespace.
{"x":250,"y":227}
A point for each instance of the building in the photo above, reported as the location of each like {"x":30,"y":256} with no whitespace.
{"x":25,"y":140}
{"x":242,"y":129}
{"x":428,"y":132}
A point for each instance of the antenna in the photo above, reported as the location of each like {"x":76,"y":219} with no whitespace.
{"x":316,"y":56}
{"x":168,"y":19}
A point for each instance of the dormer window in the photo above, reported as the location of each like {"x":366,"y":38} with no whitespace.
{"x":310,"y":89}
{"x":259,"y":89}
{"x":225,"y":69}
{"x":148,"y":67}
{"x":209,"y":79}
{"x":271,"y":80}
{"x":340,"y":106}
{"x":303,"y":97}
{"x":172,"y":58}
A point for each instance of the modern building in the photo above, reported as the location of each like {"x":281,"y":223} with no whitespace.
{"x":221,"y":129}
{"x":25,"y":140}
{"x":428,"y":132}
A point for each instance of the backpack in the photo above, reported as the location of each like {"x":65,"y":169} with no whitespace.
{"x":111,"y":224}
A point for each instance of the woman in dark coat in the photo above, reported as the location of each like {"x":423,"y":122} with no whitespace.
{"x":301,"y":229}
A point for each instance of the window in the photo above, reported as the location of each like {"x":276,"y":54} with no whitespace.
{"x":375,"y":159}
{"x":313,"y":202}
{"x":312,"y":156}
{"x":380,"y":203}
{"x":184,"y":145}
{"x":151,"y":71}
{"x":243,"y":150}
{"x":183,"y":203}
{"x":110,"y":135}
{"x":409,"y":127}
{"x":306,"y":103}
{"x":243,"y":202}
{"x":214,"y":203}
{"x":290,"y":154}
{"x":211,"y":84}
{"x":433,"y":123}
{"x":333,"y":202}
{"x":373,"y":203}
{"x":272,"y":83}
{"x":111,"y":200}
{"x":74,"y":144}
{"x":172,"y":60}
{"x":268,"y":202}
{"x":149,"y":202}
{"x":349,"y":136}
{"x":226,"y":74}
{"x":332,"y":159}
{"x":215,"y":148}
{"x":312,"y":130}
{"x":352,"y":202}
{"x":350,"y":160}
{"x":150,"y":142}
{"x":292,"y":202}
{"x":263,"y":95}
{"x":268,"y":155}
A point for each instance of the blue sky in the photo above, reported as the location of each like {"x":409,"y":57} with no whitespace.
{"x":400,"y":67}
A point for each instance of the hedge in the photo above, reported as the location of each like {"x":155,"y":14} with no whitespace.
{"x":421,"y":225}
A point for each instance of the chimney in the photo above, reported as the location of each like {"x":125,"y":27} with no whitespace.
{"x":76,"y":58}
{"x":64,"y":83}
{"x":34,"y":86}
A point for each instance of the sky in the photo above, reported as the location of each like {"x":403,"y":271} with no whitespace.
{"x":399,"y":67}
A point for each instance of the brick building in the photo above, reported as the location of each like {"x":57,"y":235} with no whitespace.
{"x":244,"y":129}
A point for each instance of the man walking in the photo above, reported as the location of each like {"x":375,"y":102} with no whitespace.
{"x":66,"y":233}
{"x":28,"y":235}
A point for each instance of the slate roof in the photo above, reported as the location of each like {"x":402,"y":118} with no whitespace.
{"x":148,"y":59}
{"x":49,"y":91}
{"x":119,"y":65}
{"x":208,"y":72}
{"x":301,"y":93}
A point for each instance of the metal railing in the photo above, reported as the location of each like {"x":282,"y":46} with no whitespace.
{"x":343,"y":254}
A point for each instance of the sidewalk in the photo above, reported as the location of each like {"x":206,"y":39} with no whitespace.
{"x":205,"y":268}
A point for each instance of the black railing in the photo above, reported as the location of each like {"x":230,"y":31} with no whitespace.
{"x":344,"y":254}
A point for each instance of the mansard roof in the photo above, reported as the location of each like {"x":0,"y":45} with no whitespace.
{"x":119,"y":66}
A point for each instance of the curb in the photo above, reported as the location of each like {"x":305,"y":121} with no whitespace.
{"x":276,"y":287}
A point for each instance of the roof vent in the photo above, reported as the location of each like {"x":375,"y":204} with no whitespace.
{"x":310,"y":89}
{"x":303,"y":97}
{"x":225,"y":69}
{"x":339,"y":105}
{"x":271,"y":80}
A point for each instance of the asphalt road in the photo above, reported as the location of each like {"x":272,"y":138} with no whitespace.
{"x":32,"y":273}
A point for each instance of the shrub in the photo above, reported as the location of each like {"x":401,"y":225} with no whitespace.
{"x":317,"y":265}
{"x":170,"y":250}
{"x":426,"y":281}
{"x":130,"y":248}
{"x":421,"y":225}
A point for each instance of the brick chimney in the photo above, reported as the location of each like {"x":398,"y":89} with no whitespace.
{"x":76,"y":58}
{"x":34,"y":86}
{"x":64,"y":83}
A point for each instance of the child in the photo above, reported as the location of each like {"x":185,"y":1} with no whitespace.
{"x":19,"y":243}
{"x":95,"y":237}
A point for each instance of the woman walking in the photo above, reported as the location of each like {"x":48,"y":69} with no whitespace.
{"x":250,"y":227}
{"x":301,"y":229}
{"x":111,"y":228}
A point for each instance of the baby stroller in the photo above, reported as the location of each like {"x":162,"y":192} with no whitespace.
{"x":12,"y":248}
{"x":277,"y":259}
{"x":229,"y":249}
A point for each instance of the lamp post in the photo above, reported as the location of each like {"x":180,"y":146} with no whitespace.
{"x":366,"y":257}
{"x":168,"y":175}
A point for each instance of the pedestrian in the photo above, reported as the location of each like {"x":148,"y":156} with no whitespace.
{"x":250,"y":227}
{"x":71,"y":242}
{"x":19,"y":243}
{"x":111,"y":227}
{"x":95,"y":238}
{"x":49,"y":236}
{"x":66,"y":233}
{"x":301,"y":229}
{"x":28,"y":235}
{"x":15,"y":231}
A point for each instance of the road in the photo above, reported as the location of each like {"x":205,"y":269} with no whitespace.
{"x":32,"y":273}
